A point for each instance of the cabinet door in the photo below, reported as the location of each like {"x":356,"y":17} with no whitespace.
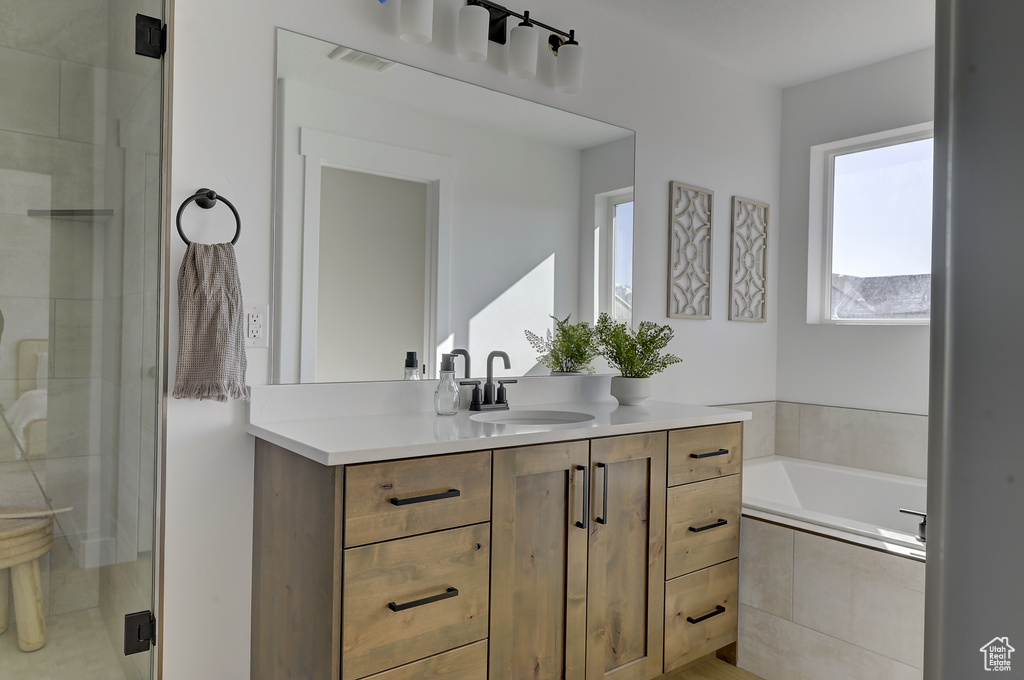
{"x":626,"y":585}
{"x":539,"y":562}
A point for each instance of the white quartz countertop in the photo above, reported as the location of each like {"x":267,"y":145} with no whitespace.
{"x":368,"y":438}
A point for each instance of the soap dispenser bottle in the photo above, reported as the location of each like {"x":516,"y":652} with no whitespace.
{"x":412,"y":366}
{"x":446,"y":396}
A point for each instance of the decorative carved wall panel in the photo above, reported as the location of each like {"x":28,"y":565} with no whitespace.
{"x":749,"y":260}
{"x":689,"y":294}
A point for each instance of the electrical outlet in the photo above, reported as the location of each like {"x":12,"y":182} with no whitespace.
{"x":257,"y":325}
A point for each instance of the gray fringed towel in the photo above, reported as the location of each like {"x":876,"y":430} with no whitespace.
{"x":211,"y":325}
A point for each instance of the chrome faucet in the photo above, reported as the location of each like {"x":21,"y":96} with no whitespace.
{"x":491,"y":399}
{"x":922,"y":527}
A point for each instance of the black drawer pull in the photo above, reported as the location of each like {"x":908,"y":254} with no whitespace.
{"x":586,"y":497}
{"x":719,"y":523}
{"x":450,"y":493}
{"x":719,"y":609}
{"x":451,"y":592}
{"x":603,"y":519}
{"x":709,"y":454}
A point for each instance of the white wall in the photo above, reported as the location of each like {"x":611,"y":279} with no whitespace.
{"x":696,"y":122}
{"x":874,"y":367}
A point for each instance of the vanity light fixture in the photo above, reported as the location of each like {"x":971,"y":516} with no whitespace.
{"x":481,"y":21}
{"x":417,"y":21}
{"x":569,"y":67}
{"x":471,"y":40}
{"x":522,"y":49}
{"x":523,"y":41}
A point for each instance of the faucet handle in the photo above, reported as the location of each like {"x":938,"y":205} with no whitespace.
{"x":922,"y":528}
{"x":502,"y":397}
{"x":477,"y":398}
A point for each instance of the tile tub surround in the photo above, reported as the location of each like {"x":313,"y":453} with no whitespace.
{"x":758,"y":432}
{"x":813,"y":607}
{"x":883,"y":441}
{"x":343,"y":423}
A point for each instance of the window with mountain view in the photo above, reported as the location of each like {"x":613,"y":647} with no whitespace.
{"x":880,"y":223}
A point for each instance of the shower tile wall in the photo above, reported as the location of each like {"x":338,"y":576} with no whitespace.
{"x":80,"y":128}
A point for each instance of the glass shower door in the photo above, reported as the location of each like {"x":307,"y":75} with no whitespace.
{"x":81,"y":335}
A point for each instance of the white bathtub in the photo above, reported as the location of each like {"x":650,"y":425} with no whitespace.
{"x":859,"y":506}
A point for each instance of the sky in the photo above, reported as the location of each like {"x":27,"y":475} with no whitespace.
{"x":882,"y":212}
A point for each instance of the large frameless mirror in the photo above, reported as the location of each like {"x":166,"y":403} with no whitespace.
{"x":420,"y":213}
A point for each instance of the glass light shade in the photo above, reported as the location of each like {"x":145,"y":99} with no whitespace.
{"x":417,"y":21}
{"x":474,"y":26}
{"x":569,"y":68}
{"x":522,"y":51}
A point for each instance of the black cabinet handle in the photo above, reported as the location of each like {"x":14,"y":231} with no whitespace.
{"x":719,"y":523}
{"x":450,"y":493}
{"x":395,"y":607}
{"x":603,"y":519}
{"x":586,"y":496}
{"x":719,"y":609}
{"x":709,"y":454}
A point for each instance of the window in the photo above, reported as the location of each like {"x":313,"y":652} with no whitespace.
{"x":613,"y":258}
{"x":621,"y":210}
{"x":870,"y":229}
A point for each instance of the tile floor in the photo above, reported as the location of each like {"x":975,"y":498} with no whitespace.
{"x":716,"y":669}
{"x":77,"y":648}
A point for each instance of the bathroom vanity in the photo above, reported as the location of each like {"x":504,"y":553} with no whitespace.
{"x":385,"y":549}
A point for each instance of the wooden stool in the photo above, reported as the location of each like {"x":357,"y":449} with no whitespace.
{"x":22,"y":543}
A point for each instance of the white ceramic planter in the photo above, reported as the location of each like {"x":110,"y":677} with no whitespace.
{"x":630,"y":391}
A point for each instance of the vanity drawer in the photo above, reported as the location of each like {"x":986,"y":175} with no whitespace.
{"x":412,"y":598}
{"x":699,"y":453}
{"x":703,"y":525}
{"x":414,"y":496}
{"x":464,"y":663}
{"x":700,"y":613}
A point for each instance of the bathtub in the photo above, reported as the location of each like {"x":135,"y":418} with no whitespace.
{"x":848,"y":504}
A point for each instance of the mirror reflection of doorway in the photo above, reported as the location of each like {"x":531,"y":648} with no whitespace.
{"x":373,"y":231}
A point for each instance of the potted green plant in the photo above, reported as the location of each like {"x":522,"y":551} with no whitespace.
{"x":636,"y":354}
{"x":569,"y":350}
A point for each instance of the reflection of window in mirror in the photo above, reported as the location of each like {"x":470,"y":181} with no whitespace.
{"x":622,"y":259}
{"x":613,"y":255}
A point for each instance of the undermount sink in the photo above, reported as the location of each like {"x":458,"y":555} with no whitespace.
{"x":524,"y":417}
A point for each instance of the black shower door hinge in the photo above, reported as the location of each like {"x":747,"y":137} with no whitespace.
{"x":139,"y":632}
{"x":150,"y":36}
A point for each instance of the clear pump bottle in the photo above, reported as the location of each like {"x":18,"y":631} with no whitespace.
{"x":412,"y":366}
{"x":446,"y":396}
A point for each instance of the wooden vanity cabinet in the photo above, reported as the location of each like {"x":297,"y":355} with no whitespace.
{"x":703,"y":542}
{"x":578,"y":560}
{"x":603,"y":558}
{"x":379,"y":570}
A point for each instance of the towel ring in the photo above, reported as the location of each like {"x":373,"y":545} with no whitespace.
{"x":206,"y":199}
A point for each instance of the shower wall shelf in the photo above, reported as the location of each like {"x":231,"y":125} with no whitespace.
{"x":74,"y":215}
